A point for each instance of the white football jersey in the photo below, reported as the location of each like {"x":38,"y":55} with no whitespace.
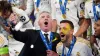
{"x":24,"y":21}
{"x":3,"y":40}
{"x":89,"y":13}
{"x":17,"y":3}
{"x":97,"y":46}
{"x":29,"y":6}
{"x":73,"y":11}
{"x":81,"y":48}
{"x":15,"y":46}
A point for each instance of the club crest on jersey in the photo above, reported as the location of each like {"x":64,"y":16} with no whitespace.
{"x":82,"y":5}
{"x":22,"y":18}
{"x":90,"y":11}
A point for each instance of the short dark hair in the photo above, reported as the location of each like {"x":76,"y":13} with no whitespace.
{"x":5,"y":6}
{"x":69,"y":22}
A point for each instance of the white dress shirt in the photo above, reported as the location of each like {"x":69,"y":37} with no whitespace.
{"x":46,"y":33}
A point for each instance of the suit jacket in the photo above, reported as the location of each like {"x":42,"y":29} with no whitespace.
{"x":34,"y":46}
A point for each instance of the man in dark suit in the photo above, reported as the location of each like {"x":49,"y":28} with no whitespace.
{"x":39,"y":42}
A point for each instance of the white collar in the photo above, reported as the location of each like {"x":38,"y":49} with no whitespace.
{"x":45,"y":32}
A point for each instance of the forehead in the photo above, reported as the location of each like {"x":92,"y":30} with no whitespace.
{"x":65,"y":25}
{"x":44,"y":13}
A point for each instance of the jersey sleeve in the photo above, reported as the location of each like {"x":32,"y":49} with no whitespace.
{"x":3,"y":40}
{"x":29,"y":6}
{"x":86,"y":12}
{"x":84,"y":51}
{"x":53,"y":9}
{"x":59,"y":48}
{"x":79,"y":4}
{"x":20,"y":36}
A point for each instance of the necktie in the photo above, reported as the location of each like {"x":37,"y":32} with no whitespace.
{"x":46,"y":36}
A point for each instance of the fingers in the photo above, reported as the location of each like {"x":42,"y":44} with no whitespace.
{"x":51,"y":53}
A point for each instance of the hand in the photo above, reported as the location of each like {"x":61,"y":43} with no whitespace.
{"x":23,"y":7}
{"x":7,"y":29}
{"x":51,"y":53}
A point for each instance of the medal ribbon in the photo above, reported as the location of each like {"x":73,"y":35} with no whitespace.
{"x":94,"y":10}
{"x":70,"y":48}
{"x":48,"y":45}
{"x":37,"y":5}
{"x":63,"y":8}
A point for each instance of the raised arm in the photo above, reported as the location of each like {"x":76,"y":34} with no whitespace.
{"x":20,"y":36}
{"x":85,"y":23}
{"x":29,"y":7}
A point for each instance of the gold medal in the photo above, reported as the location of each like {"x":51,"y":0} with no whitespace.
{"x":37,"y":9}
{"x":64,"y":16}
{"x":82,"y":13}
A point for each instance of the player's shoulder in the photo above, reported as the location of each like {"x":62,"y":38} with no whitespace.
{"x":83,"y":41}
{"x":59,"y":44}
{"x":88,"y":2}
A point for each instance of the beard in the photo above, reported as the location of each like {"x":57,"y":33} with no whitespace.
{"x":64,"y":38}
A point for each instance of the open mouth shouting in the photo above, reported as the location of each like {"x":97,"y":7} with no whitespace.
{"x":62,"y":35}
{"x":46,"y":24}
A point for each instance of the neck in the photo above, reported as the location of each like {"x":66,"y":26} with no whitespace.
{"x":45,"y":31}
{"x":68,"y":42}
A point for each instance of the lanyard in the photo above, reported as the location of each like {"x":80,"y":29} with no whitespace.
{"x":63,"y":51}
{"x":94,"y":10}
{"x":48,"y":45}
{"x":63,"y":7}
{"x":70,"y":48}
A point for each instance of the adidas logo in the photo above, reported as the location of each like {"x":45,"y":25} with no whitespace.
{"x":90,"y":12}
